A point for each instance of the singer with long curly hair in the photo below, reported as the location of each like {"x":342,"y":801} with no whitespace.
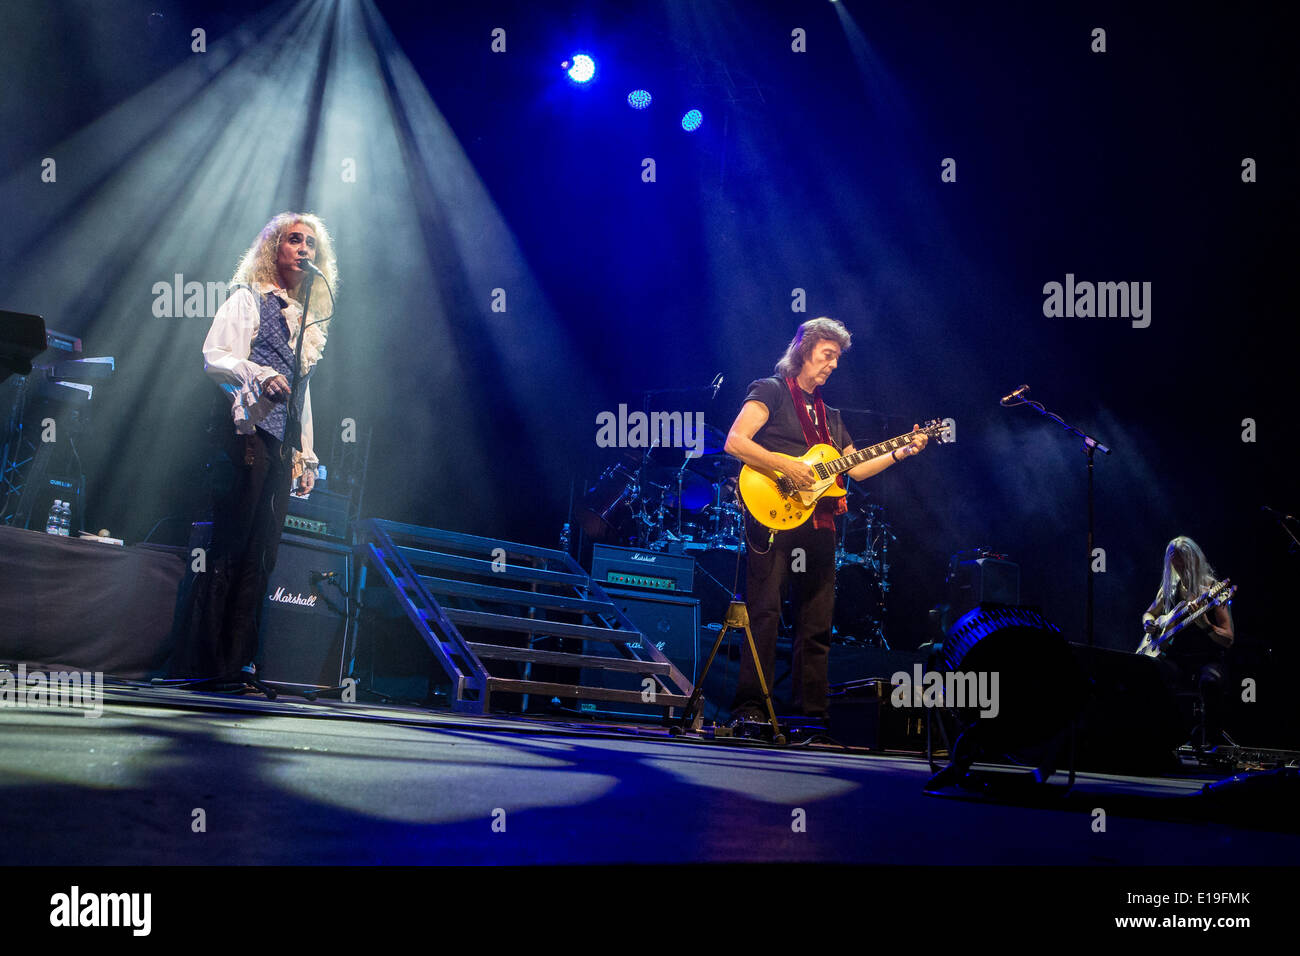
{"x":262,"y":437}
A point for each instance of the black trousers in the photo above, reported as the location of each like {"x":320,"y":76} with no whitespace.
{"x":803,"y":559}
{"x":220,"y":617}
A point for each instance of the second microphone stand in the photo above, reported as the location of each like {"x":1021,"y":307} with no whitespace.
{"x":1090,"y":447}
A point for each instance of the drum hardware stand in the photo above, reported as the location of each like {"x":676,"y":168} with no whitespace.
{"x":737,"y":618}
{"x":681,"y":476}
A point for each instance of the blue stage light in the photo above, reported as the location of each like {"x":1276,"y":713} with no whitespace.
{"x":692,"y":120}
{"x":581,"y":68}
{"x":638,"y":99}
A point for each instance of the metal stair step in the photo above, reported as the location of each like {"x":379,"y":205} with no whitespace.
{"x":459,"y":539}
{"x":562,"y":659}
{"x":532,"y":625}
{"x":487,"y":592}
{"x":498,"y":684}
{"x":484,"y":568}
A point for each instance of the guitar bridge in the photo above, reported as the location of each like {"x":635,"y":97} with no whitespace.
{"x":785,"y":486}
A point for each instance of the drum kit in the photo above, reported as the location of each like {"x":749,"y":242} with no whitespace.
{"x":663,"y":500}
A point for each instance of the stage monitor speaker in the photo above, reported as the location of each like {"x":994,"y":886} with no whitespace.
{"x":305,"y":614}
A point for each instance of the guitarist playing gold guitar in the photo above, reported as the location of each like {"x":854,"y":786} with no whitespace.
{"x":781,"y":419}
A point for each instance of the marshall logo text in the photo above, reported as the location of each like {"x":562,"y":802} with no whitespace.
{"x":282,"y":596}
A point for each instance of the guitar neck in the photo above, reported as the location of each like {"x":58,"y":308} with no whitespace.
{"x":1193,"y":611}
{"x":839,"y":465}
{"x":1189,"y":614}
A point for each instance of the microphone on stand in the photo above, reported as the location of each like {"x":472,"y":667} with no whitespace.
{"x":1008,"y":399}
{"x":1277,"y":514}
{"x":307,"y":265}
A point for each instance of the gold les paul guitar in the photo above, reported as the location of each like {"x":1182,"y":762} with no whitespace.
{"x":774,"y":501}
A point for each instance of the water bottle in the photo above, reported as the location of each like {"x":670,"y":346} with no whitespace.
{"x":65,"y":519}
{"x":52,"y":522}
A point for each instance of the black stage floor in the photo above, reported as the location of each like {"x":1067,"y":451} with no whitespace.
{"x":292,"y":782}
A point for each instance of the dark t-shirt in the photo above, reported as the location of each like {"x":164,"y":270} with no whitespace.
{"x":782,"y":432}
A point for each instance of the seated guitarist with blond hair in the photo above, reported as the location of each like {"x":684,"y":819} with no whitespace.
{"x":1197,"y":651}
{"x":785,"y":415}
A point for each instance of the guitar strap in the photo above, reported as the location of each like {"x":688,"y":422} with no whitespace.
{"x":823,"y":516}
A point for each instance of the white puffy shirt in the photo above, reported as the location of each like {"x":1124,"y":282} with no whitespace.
{"x":225,"y":359}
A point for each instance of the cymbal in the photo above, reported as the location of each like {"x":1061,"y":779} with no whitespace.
{"x":716,"y":467}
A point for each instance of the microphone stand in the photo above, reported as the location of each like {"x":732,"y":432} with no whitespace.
{"x":1090,"y":446}
{"x":1282,"y":520}
{"x":295,"y":413}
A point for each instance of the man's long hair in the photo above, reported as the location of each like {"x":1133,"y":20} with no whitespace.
{"x":806,"y":339}
{"x":1197,"y":575}
{"x":258,"y":266}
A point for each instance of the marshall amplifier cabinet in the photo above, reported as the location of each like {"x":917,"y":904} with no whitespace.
{"x":305,"y":614}
{"x":643,"y":570}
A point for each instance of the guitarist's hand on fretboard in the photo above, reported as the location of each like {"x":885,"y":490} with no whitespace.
{"x":917,"y":446}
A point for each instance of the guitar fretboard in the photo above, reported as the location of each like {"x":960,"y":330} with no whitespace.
{"x":1195,"y":609}
{"x":828,"y":469}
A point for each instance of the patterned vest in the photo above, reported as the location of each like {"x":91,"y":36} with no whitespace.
{"x":271,"y":348}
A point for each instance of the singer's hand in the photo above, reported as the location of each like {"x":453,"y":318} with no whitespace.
{"x":277,"y":389}
{"x":306,"y":482}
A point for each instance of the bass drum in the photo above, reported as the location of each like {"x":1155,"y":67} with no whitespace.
{"x":859,"y":605}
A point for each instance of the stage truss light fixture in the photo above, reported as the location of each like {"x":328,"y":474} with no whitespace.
{"x":638,"y":99}
{"x":692,"y":120}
